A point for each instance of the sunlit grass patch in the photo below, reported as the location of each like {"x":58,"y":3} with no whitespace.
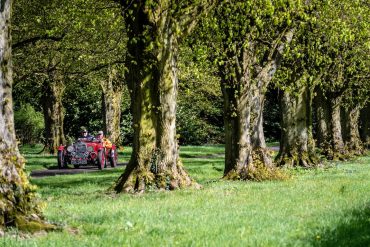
{"x":320,"y":207}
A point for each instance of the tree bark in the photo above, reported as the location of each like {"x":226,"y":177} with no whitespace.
{"x":53,"y":112}
{"x":323,"y":122}
{"x":18,"y":204}
{"x":296,"y":144}
{"x":259,"y":89}
{"x":353,"y":141}
{"x":152,"y":81}
{"x":112,"y":100}
{"x":240,"y":161}
{"x":260,"y":151}
{"x":238,"y":146}
{"x":365,"y":124}
{"x":337,"y":148}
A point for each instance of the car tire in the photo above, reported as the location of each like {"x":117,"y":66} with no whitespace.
{"x":112,"y":159}
{"x":60,"y":159}
{"x":101,"y":159}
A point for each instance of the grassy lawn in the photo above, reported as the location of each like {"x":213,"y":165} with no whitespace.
{"x":323,"y":207}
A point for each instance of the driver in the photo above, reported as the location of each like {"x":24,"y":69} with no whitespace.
{"x":104,"y":140}
{"x":85,"y":134}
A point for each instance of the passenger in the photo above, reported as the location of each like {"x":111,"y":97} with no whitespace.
{"x":104,"y":140}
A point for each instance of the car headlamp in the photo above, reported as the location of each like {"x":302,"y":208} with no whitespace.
{"x":70,"y":148}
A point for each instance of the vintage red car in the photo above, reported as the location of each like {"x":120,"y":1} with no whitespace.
{"x":87,"y":151}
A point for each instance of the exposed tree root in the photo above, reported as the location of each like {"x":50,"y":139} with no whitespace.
{"x":298,"y":159}
{"x":138,"y":179}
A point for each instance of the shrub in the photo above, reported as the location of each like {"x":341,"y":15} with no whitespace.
{"x":29,"y":124}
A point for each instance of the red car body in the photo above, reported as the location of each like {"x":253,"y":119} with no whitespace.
{"x":87,"y":152}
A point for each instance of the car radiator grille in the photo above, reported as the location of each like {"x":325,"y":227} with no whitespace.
{"x":81,"y":149}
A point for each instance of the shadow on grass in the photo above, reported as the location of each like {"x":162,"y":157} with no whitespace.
{"x":354,"y":231}
{"x":202,"y":156}
{"x":103,"y":178}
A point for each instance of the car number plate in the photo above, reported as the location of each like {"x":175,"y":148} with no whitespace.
{"x":78,"y":162}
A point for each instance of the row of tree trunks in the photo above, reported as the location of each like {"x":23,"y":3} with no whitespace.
{"x":18,"y":204}
{"x":53,"y":90}
{"x":111,"y":105}
{"x":297,"y":146}
{"x":338,"y":134}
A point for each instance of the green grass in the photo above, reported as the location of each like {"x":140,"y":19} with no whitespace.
{"x":323,"y":207}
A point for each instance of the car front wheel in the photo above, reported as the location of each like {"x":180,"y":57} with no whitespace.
{"x":112,"y":159}
{"x":60,"y":159}
{"x":101,"y":159}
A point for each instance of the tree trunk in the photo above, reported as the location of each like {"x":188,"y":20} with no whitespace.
{"x":323,"y":122}
{"x":152,"y":81}
{"x":296,"y":144}
{"x":260,"y":151}
{"x":53,"y":112}
{"x":240,"y":161}
{"x":18,"y":205}
{"x":112,"y":99}
{"x":238,"y":147}
{"x":337,"y":148}
{"x":259,"y":89}
{"x":365,"y":124}
{"x":352,"y":137}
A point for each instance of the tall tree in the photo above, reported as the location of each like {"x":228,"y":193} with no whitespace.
{"x":155,"y":29}
{"x":247,"y":43}
{"x":297,"y":78}
{"x":19,"y":206}
{"x":112,"y":87}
